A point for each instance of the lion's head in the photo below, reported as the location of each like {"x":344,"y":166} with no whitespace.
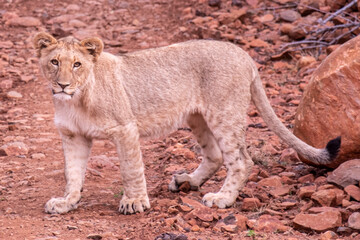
{"x":66,"y":62}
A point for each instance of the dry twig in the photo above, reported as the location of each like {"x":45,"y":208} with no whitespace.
{"x":338,"y":12}
{"x":317,"y":37}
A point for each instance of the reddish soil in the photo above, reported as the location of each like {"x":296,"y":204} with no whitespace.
{"x":28,"y":180}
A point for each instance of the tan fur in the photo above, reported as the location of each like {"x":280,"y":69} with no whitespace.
{"x":207,"y":84}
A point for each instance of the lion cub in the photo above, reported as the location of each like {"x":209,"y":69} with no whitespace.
{"x":206,"y":84}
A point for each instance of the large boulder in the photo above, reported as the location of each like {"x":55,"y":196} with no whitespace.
{"x":330,"y":106}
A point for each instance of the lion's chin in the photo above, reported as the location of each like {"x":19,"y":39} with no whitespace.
{"x":62,"y":96}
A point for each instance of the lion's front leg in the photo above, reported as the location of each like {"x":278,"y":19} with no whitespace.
{"x":76,"y":152}
{"x":135,"y":198}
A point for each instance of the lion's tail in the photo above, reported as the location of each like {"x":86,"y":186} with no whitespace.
{"x":316,"y":156}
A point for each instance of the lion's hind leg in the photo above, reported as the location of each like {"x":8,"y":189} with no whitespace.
{"x":212,"y":157}
{"x":230,"y":135}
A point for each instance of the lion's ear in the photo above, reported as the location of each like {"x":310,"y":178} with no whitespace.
{"x":93,"y":45}
{"x":43,"y":40}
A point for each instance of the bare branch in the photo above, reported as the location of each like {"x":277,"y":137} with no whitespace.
{"x":342,"y":35}
{"x":326,"y":29}
{"x":322,"y":43}
{"x":353,"y":2}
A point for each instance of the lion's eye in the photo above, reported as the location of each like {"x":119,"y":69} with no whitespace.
{"x":54,"y":62}
{"x":77,"y":64}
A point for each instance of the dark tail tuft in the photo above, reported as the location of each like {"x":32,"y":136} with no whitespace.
{"x":333,"y":147}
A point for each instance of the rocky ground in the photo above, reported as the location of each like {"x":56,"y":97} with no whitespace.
{"x":283,"y":199}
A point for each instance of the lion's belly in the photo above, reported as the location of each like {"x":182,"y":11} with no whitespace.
{"x":160,"y":124}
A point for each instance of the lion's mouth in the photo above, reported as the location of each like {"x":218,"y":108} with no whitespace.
{"x":62,"y":92}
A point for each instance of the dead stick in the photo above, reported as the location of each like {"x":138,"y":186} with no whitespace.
{"x":276,"y":8}
{"x":342,"y":35}
{"x":303,"y":42}
{"x":339,"y":11}
{"x":334,"y":27}
{"x":320,"y":11}
{"x":305,"y":48}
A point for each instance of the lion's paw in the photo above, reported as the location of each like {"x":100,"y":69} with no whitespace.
{"x":133,"y":205}
{"x":59,"y":206}
{"x":218,"y":199}
{"x":179,"y":179}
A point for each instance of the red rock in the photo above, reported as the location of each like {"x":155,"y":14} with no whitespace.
{"x":250,"y":204}
{"x":309,"y":178}
{"x":6,"y":84}
{"x":279,"y":65}
{"x":226,"y":18}
{"x":340,"y":195}
{"x":289,"y":15}
{"x":266,"y":18}
{"x":305,"y":61}
{"x":185,"y":208}
{"x":345,"y":203}
{"x":306,"y":7}
{"x":354,"y":207}
{"x":214,"y":3}
{"x":329,"y":105}
{"x":258,"y":43}
{"x":286,"y":28}
{"x":319,"y":222}
{"x":100,"y":162}
{"x":335,"y":4}
{"x":273,"y":181}
{"x":289,"y":155}
{"x":320,"y":180}
{"x":192,"y":203}
{"x":76,"y":23}
{"x":23,"y":22}
{"x":9,"y":15}
{"x":267,"y":223}
{"x":14,"y":149}
{"x":306,"y":192}
{"x":14,"y":95}
{"x":263,"y":173}
{"x":72,"y":7}
{"x":331,"y":48}
{"x":328,"y":235}
{"x":6,"y":44}
{"x":185,"y":187}
{"x":353,"y":191}
{"x":229,"y":228}
{"x":253,"y":3}
{"x":344,"y":213}
{"x":306,"y":205}
{"x":297,"y":33}
{"x":346,"y":174}
{"x":325,"y":197}
{"x":280,"y":191}
{"x":195,"y":228}
{"x":241,"y":221}
{"x":286,"y":205}
{"x":38,"y":156}
{"x":354,"y":220}
{"x":237,"y":220}
{"x":287,"y":180}
{"x":25,"y":78}
{"x":204,"y":213}
{"x":287,"y":174}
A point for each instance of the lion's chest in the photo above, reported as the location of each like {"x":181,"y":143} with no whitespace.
{"x":71,"y":120}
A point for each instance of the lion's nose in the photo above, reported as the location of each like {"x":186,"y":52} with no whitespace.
{"x":62,"y":85}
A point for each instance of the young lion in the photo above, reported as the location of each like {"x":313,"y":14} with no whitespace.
{"x":206,"y":84}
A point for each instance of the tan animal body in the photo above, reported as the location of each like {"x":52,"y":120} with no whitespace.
{"x":206,"y":84}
